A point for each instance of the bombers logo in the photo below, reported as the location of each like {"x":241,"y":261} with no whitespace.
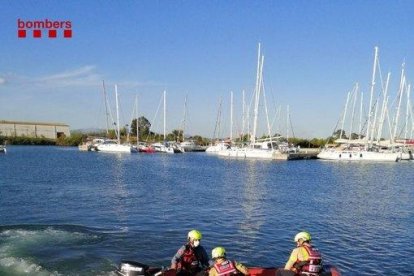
{"x":45,"y":27}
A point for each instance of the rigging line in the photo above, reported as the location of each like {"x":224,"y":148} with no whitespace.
{"x":291,"y":126}
{"x":155,"y":117}
{"x":217,"y":121}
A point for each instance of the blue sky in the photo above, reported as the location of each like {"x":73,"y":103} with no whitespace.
{"x":314,"y":53}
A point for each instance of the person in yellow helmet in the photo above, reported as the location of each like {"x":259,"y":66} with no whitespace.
{"x":304,"y":259}
{"x":224,"y":267}
{"x":191,"y":258}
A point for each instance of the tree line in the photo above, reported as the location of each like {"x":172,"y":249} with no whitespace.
{"x":146,"y":135}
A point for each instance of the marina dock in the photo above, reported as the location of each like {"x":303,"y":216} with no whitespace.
{"x":303,"y":154}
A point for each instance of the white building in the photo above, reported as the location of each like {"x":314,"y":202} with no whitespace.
{"x":33,"y":129}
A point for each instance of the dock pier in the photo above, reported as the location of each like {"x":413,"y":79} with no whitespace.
{"x":303,"y":154}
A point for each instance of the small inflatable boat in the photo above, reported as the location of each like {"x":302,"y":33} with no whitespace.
{"x":132,"y":268}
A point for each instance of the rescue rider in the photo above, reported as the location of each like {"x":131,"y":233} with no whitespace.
{"x":191,"y":258}
{"x":304,"y":259}
{"x":224,"y":267}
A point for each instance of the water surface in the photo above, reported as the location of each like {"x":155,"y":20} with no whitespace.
{"x":65,"y":212}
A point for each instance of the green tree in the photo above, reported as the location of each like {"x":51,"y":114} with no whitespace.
{"x":337,"y":134}
{"x":143,"y":126}
{"x":177,"y":135}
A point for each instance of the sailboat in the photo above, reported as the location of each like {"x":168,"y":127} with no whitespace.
{"x":115,"y":145}
{"x":217,"y":145}
{"x":165,"y":147}
{"x":186,"y":145}
{"x":368,"y":148}
{"x":265,"y":149}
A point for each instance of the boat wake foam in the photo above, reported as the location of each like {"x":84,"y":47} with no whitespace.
{"x":24,"y":248}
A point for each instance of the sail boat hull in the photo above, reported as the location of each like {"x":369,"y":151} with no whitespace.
{"x":113,"y":147}
{"x":359,"y":156}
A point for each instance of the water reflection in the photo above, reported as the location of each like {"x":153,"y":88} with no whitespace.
{"x":253,"y":191}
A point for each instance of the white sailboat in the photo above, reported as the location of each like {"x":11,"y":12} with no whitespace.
{"x":165,"y":147}
{"x":369,"y":148}
{"x":115,"y":145}
{"x":256,"y":149}
{"x":217,"y":145}
{"x":186,"y":145}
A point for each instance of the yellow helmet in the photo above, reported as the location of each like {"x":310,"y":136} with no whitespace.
{"x":305,"y":236}
{"x":218,"y":252}
{"x":195,"y":235}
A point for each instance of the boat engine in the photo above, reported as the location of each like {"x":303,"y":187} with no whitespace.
{"x":131,"y":268}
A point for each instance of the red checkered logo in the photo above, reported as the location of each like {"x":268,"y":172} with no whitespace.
{"x":44,"y":28}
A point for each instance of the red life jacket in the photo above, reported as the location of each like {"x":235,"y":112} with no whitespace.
{"x":189,"y":259}
{"x":313,"y":265}
{"x":225,"y":268}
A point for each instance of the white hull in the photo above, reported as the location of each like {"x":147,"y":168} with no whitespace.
{"x":188,"y":146}
{"x":114,"y":148}
{"x":349,"y":155}
{"x":217,"y":148}
{"x":158,"y":147}
{"x":3,"y":149}
{"x":249,"y":153}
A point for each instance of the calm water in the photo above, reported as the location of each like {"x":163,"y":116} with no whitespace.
{"x":65,"y":212}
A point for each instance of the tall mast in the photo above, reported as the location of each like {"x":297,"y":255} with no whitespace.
{"x":243,"y":115}
{"x":360,"y":116}
{"x":256,"y":94}
{"x":185,"y":117}
{"x":106,"y":108}
{"x":400,"y":95}
{"x":383,"y":109}
{"x":117,"y":115}
{"x":372,"y":94}
{"x":287,"y":124}
{"x":407,"y":111}
{"x":136,"y":110}
{"x":231,"y":116}
{"x":269,"y":131}
{"x":165,"y":105}
{"x":344,"y":116}
{"x":353,"y":110}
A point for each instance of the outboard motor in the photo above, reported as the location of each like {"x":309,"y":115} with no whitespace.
{"x":131,"y":268}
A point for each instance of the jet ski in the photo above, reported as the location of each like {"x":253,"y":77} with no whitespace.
{"x":132,"y":268}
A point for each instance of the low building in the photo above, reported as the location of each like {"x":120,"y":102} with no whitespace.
{"x":33,"y":129}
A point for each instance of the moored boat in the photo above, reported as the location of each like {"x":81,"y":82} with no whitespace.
{"x":359,"y":155}
{"x":114,"y":146}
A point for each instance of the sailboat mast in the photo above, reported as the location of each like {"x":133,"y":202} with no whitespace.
{"x":269,"y":131}
{"x":219,"y":119}
{"x":165,"y":105}
{"x":287,"y":124}
{"x":243,"y":115}
{"x":407,"y":111}
{"x":372,"y":94}
{"x":360,"y":116}
{"x":353,"y":111}
{"x":383,"y":109}
{"x":400,"y":96}
{"x":231,"y":116}
{"x":106,"y":108}
{"x":184,"y":118}
{"x":117,"y":115}
{"x":256,"y":97}
{"x":344,"y":116}
{"x":136,"y":110}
